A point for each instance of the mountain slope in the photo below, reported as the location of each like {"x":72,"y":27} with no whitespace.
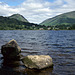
{"x":18,"y":17}
{"x":66,"y":18}
{"x":7,"y":23}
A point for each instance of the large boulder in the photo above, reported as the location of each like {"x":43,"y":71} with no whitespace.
{"x":10,"y":50}
{"x":37,"y":61}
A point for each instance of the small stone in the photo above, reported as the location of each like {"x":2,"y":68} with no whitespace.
{"x":37,"y":61}
{"x":11,"y":50}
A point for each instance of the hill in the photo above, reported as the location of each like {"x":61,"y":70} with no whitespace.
{"x":18,"y":17}
{"x":7,"y":23}
{"x":63,"y":19}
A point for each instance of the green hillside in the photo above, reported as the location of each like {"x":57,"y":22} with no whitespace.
{"x":66,"y":19}
{"x":7,"y":23}
{"x":18,"y":17}
{"x":18,"y":22}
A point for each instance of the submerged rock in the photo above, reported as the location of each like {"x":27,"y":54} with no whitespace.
{"x":10,"y":50}
{"x":37,"y":61}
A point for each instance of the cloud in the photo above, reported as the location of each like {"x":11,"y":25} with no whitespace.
{"x":37,"y":11}
{"x":6,"y":10}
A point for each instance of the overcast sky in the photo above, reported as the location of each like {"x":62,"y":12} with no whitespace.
{"x":36,"y":11}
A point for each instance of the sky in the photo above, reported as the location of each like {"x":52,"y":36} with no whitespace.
{"x":36,"y":11}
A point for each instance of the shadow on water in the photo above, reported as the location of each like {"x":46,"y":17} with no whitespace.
{"x":18,"y":68}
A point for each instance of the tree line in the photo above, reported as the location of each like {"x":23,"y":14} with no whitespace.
{"x":12,"y":24}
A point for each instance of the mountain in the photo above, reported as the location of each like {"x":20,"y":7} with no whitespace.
{"x":7,"y":23}
{"x":18,"y":17}
{"x":66,"y":19}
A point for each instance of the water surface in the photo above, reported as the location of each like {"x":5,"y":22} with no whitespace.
{"x":60,"y":45}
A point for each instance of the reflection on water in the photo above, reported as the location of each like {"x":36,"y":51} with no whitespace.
{"x":18,"y":68}
{"x":60,"y":45}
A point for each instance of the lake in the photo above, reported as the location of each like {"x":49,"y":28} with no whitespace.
{"x":60,"y":45}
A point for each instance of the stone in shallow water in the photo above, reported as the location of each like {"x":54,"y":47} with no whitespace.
{"x":10,"y":50}
{"x":37,"y":61}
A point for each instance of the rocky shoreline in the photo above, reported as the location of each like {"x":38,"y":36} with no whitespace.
{"x":12,"y":52}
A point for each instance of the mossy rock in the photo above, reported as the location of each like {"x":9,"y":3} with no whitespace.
{"x":37,"y":61}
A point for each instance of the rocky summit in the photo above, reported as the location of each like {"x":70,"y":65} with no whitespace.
{"x":37,"y":61}
{"x":10,"y":50}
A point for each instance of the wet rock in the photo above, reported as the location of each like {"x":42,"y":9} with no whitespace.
{"x":11,"y":50}
{"x":37,"y":61}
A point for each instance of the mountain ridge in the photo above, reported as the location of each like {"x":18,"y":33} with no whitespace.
{"x":65,"y":18}
{"x":7,"y":23}
{"x":18,"y":17}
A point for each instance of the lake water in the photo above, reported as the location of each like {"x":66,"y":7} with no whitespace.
{"x":60,"y":45}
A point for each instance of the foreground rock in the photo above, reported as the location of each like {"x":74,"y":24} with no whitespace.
{"x":37,"y":61}
{"x":11,"y":50}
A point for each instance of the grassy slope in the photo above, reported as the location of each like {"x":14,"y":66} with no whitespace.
{"x":66,"y":18}
{"x":19,"y":17}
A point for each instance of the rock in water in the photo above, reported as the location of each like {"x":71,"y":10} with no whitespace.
{"x":37,"y":61}
{"x":10,"y":50}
